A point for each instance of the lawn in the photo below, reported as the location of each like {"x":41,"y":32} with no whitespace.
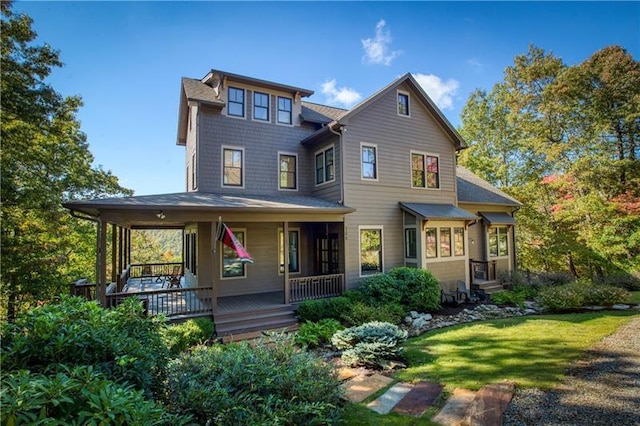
{"x":532,"y":351}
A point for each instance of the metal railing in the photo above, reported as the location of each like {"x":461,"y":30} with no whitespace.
{"x":170,"y":302}
{"x":318,"y":287}
{"x":482,"y":270}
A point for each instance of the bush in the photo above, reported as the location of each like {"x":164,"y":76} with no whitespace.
{"x":605,"y":295}
{"x":316,"y":310}
{"x":358,"y":313}
{"x":382,"y":289}
{"x":509,"y":298}
{"x":314,"y":334}
{"x":121,"y":343}
{"x":546,"y":279}
{"x":577,"y":295}
{"x":421,"y":290}
{"x":77,"y":396}
{"x":626,"y":281}
{"x":180,"y":337}
{"x":371,"y":345}
{"x":271,"y":382}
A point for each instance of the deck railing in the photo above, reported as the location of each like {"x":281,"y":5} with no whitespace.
{"x":482,"y":270}
{"x":150,"y":270}
{"x":190,"y":301}
{"x":318,"y":287}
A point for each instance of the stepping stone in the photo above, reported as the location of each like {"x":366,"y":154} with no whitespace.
{"x":455,"y":408}
{"x":489,"y":404}
{"x":384,"y":403}
{"x":421,"y":397}
{"x":361,"y":387}
{"x":346,"y":373}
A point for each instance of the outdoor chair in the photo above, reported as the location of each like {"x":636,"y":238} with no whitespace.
{"x":447,"y":297}
{"x":174,"y":277}
{"x":147,"y":274}
{"x":462,"y":292}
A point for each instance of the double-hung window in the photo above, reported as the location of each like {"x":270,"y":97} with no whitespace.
{"x":285,"y":110}
{"x":325,"y":171}
{"x":498,"y":241}
{"x":410,"y":243}
{"x":403,"y":103}
{"x":370,"y":250}
{"x":288,"y":171}
{"x":235,"y":103}
{"x":232,"y":166}
{"x":369,"y":162}
{"x":232,"y":267}
{"x":425,"y":171}
{"x":294,"y":250}
{"x":260,"y":106}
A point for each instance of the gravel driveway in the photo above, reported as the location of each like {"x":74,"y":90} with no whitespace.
{"x":601,"y":389}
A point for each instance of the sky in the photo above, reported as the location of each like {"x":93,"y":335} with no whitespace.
{"x":126,"y":59}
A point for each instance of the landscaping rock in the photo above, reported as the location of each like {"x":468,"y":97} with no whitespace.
{"x":620,"y":307}
{"x":419,"y":399}
{"x":384,"y":403}
{"x":360,"y":387}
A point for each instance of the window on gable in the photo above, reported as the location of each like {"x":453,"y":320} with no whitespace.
{"x":235,"y":103}
{"x":498,"y":241}
{"x":288,"y":172}
{"x":232,"y":167}
{"x":232,"y":267}
{"x":260,"y":106}
{"x":425,"y":172}
{"x":324,"y":166}
{"x":370,"y":251}
{"x":285,"y":110}
{"x":294,"y":250}
{"x":417,"y":171}
{"x":369,"y":162}
{"x":403,"y":104}
{"x":433,"y":172}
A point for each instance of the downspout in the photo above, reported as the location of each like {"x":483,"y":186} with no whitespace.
{"x":339,"y":134}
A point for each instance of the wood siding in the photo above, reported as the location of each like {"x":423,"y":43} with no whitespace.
{"x":449,"y":272}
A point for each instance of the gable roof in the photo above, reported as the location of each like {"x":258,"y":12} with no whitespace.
{"x":473,"y":189}
{"x":195,"y":90}
{"x":216,"y":75}
{"x":322,"y":114}
{"x":408,"y":79}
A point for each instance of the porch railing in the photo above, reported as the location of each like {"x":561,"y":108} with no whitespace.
{"x":482,"y":270}
{"x":318,"y":287}
{"x":190,"y":301}
{"x":83,"y":288}
{"x":144,"y":270}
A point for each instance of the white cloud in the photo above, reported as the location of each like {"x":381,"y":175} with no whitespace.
{"x":343,"y":95}
{"x":475,"y":63}
{"x":376,"y":49}
{"x":441,"y":92}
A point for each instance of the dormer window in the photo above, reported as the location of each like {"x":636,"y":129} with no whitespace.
{"x":235,"y":103}
{"x":403,"y":104}
{"x":260,"y":106}
{"x":285,"y":110}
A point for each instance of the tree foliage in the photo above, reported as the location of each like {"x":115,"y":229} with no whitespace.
{"x":565,"y":141}
{"x":45,"y":161}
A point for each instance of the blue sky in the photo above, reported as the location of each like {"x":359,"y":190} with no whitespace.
{"x":126,"y":59}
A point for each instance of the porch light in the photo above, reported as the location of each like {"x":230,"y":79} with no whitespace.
{"x":160,"y":215}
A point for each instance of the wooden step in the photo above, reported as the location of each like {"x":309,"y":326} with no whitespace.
{"x":488,"y":287}
{"x":256,"y":320}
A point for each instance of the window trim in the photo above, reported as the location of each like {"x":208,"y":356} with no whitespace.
{"x":374,"y":227}
{"x":408,"y":95}
{"x":507,"y":234}
{"x":323,"y":151}
{"x":194,"y":175}
{"x":253,"y":115}
{"x":438,"y":243}
{"x":281,"y":231}
{"x":278,"y":110}
{"x":244,"y":102}
{"x":222,"y":166}
{"x":244,"y":275}
{"x":288,"y":154}
{"x":375,"y":165}
{"x":406,"y":242}
{"x":424,"y":155}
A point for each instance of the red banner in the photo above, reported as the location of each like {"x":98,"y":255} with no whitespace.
{"x":230,"y":240}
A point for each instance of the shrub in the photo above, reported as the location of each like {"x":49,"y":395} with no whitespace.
{"x":314,"y":334}
{"x":77,"y":396}
{"x":358,"y":313}
{"x":371,"y":345}
{"x":577,"y":295}
{"x":626,"y":281}
{"x":554,"y":279}
{"x":509,"y":298}
{"x":179,"y":337}
{"x":381,"y":289}
{"x":270,"y":382}
{"x":421,"y":290}
{"x":121,"y":343}
{"x":606,"y":295}
{"x":316,"y":310}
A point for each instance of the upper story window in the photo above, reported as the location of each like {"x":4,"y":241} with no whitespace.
{"x":403,"y":104}
{"x":498,"y":241}
{"x":285,"y":110}
{"x":324,"y":166}
{"x":232,"y":166}
{"x":260,"y":106}
{"x":425,"y":171}
{"x":369,"y":162}
{"x":288,"y":171}
{"x":235,"y":103}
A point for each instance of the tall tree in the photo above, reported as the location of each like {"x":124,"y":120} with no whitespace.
{"x":45,"y":160}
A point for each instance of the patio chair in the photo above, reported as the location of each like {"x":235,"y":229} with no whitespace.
{"x":147,"y":274}
{"x":174,"y":277}
{"x":447,"y":297}
{"x":462,"y":292}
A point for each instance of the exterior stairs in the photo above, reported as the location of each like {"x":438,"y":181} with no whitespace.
{"x":239,"y":325}
{"x":487,"y":286}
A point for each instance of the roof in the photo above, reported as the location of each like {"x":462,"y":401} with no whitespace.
{"x":195,"y":90}
{"x":498,"y":218}
{"x":214,"y":75}
{"x":437,"y":211}
{"x":473,"y":189}
{"x":322,"y":114}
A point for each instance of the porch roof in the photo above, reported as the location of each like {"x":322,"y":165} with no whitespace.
{"x":498,"y":218}
{"x":437,"y":211}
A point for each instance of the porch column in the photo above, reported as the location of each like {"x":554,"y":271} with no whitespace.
{"x":128,"y":246}
{"x":101,"y":263}
{"x":285,"y":243}
{"x":114,"y":243}
{"x":214,"y":257}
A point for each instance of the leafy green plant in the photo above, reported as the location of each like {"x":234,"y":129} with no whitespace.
{"x":421,"y":290}
{"x":381,"y":289}
{"x":180,"y":337}
{"x":372,"y":344}
{"x":509,"y":297}
{"x":606,"y":295}
{"x":314,"y":334}
{"x":626,"y":281}
{"x":271,"y":381}
{"x":577,"y":295}
{"x":358,"y":313}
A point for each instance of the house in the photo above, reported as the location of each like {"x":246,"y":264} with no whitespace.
{"x":320,"y":196}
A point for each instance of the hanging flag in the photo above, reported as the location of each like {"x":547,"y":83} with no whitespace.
{"x":228,"y":239}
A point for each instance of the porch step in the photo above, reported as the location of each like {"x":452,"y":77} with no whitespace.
{"x":488,"y":287}
{"x":260,"y":319}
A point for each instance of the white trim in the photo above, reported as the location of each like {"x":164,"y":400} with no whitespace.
{"x":488,"y":248}
{"x":290,"y":154}
{"x":242,"y":177}
{"x":296,"y":229}
{"x":278,"y":110}
{"x":374,"y":146}
{"x":424,"y":164}
{"x":403,"y":92}
{"x":244,"y":266}
{"x":253,"y":106}
{"x":360,"y":229}
{"x":244,"y":102}
{"x":324,"y":164}
{"x":451,"y":226}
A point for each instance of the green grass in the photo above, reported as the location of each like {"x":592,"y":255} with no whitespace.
{"x":635,"y":298}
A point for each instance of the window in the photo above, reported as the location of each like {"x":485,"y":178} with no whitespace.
{"x":369,"y":164}
{"x":431,"y":238}
{"x":458,"y":241}
{"x":324,"y":166}
{"x":445,"y":242}
{"x":403,"y":103}
{"x":260,"y":106}
{"x":194,"y":183}
{"x":410,"y":244}
{"x":231,"y":265}
{"x":370,"y":251}
{"x":498,"y":241}
{"x":294,"y":253}
{"x":327,"y":254}
{"x":235,"y":103}
{"x":288,"y":171}
{"x":190,"y":247}
{"x":285,"y":110}
{"x":424,"y":171}
{"x":232,"y":167}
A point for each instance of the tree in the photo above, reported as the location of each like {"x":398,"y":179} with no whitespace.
{"x":45,"y":161}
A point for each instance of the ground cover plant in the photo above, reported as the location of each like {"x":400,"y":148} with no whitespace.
{"x":180,"y":337}
{"x":373,"y":344}
{"x":577,"y":295}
